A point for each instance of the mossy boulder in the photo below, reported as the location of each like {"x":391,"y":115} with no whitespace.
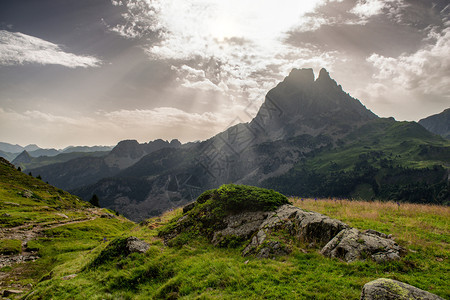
{"x":389,"y":289}
{"x":120,"y":248}
{"x":214,"y":210}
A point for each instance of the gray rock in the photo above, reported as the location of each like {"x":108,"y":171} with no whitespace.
{"x":351,"y":244}
{"x":136,"y":245}
{"x":108,"y":216}
{"x":242,"y":225}
{"x":7,"y":293}
{"x":68,"y":277}
{"x":305,"y":226}
{"x":27,"y":194}
{"x":389,"y":289}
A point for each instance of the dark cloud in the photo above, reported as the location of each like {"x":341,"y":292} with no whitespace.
{"x":392,"y":32}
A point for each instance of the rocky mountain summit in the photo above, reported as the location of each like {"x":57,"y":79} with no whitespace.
{"x":301,"y":105}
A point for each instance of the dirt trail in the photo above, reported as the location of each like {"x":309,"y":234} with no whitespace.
{"x":25,"y":233}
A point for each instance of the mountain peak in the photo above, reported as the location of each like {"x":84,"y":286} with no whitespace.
{"x":324,"y":79}
{"x":323,"y":74}
{"x":301,"y":105}
{"x":22,"y":158}
{"x":300,"y":76}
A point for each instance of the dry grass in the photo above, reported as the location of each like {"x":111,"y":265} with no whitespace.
{"x":415,"y":224}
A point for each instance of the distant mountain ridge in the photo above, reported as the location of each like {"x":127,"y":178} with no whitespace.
{"x":438,"y":123}
{"x":34,"y":149}
{"x":10,"y":151}
{"x":87,"y":169}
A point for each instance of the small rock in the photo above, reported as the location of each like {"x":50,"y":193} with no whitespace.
{"x":6,"y":215}
{"x":107,"y":216}
{"x":7,"y":293}
{"x":71,"y":276}
{"x":62,"y":215}
{"x":390,"y":289}
{"x":136,"y":245}
{"x":27,"y":194}
{"x":246,"y":262}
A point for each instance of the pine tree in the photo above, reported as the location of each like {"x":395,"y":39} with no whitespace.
{"x":94,"y":200}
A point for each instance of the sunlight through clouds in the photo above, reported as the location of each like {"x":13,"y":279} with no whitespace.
{"x":242,"y":39}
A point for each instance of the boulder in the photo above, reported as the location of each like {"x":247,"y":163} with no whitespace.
{"x":351,"y":245}
{"x":389,"y":289}
{"x":240,"y":226}
{"x":304,"y":226}
{"x":68,"y":277}
{"x":133,"y":244}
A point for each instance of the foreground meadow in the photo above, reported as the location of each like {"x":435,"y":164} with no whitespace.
{"x":198,"y":270}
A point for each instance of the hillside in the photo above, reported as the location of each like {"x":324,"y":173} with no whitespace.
{"x":438,"y":123}
{"x":194,"y":267}
{"x":383,"y":159}
{"x":42,"y":227}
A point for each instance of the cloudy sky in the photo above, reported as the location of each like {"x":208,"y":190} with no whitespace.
{"x":91,"y":72}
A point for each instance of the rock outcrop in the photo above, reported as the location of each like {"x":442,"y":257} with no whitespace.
{"x":351,"y":245}
{"x":303,"y":226}
{"x":389,"y":289}
{"x":268,"y":233}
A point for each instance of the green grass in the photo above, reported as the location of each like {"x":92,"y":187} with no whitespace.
{"x":10,"y":246}
{"x":34,"y":205}
{"x":409,"y":143}
{"x":198,"y":270}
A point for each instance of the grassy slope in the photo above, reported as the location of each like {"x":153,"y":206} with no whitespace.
{"x":32,"y":218}
{"x":404,"y":140}
{"x":387,"y":146}
{"x":198,"y":270}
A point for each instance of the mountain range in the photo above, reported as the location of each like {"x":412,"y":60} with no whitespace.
{"x":10,"y":151}
{"x":309,"y":138}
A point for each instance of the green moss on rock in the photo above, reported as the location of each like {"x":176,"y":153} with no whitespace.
{"x":206,"y":215}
